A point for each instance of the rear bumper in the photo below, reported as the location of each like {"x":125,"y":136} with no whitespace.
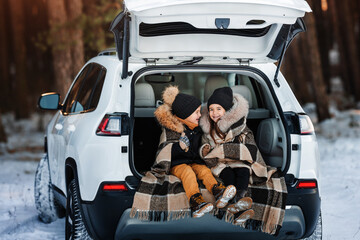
{"x":207,"y":227}
{"x":302,"y":211}
{"x":108,"y":217}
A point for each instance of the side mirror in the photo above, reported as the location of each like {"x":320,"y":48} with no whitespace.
{"x":49,"y":101}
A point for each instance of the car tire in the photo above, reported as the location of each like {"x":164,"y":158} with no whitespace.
{"x":317,"y":234}
{"x":74,"y":225}
{"x":48,"y":209}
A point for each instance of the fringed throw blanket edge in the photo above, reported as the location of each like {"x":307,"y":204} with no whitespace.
{"x":159,"y":216}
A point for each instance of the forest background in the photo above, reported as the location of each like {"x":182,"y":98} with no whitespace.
{"x":44,"y":43}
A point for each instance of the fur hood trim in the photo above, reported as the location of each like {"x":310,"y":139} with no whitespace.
{"x":168,"y":120}
{"x":239,"y":110}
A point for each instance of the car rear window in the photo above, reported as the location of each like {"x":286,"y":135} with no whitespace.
{"x":172,"y":28}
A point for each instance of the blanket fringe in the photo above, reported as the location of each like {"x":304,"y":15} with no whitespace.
{"x":250,"y":224}
{"x":256,"y":225}
{"x":159,"y":216}
{"x":229,"y":217}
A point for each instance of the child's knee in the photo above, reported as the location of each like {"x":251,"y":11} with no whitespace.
{"x":183,"y":170}
{"x":205,"y":171}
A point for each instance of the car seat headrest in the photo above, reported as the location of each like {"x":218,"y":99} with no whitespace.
{"x":144,"y":95}
{"x":243,"y":91}
{"x":213,"y":82}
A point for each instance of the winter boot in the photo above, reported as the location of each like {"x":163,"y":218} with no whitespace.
{"x":223,"y":194}
{"x":198,"y":205}
{"x":242,"y":203}
{"x":241,"y":219}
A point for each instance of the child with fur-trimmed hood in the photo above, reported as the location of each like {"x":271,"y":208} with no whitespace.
{"x":230,"y":150}
{"x":179,"y":116}
{"x":225,"y":146}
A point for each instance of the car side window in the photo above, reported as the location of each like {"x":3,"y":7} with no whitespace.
{"x":85,"y":93}
{"x":93,"y":101}
{"x":70,"y":100}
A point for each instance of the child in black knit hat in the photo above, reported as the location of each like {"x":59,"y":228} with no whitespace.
{"x":224,"y":126}
{"x":179,"y":115}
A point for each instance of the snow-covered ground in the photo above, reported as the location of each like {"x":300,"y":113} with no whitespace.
{"x":339,"y":144}
{"x":18,"y":161}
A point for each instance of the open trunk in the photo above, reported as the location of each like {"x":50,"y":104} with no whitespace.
{"x":251,"y":30}
{"x":268,"y":131}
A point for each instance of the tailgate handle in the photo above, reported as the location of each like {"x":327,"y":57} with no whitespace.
{"x":222,"y":23}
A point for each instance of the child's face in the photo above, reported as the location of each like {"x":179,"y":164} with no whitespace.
{"x":216,"y":111}
{"x":195,"y":116}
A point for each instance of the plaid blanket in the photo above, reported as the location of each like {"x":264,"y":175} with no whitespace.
{"x":238,"y":149}
{"x":267,"y":188}
{"x":160,"y":195}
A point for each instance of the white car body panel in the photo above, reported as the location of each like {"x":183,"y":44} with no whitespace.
{"x":310,"y":159}
{"x":143,"y":5}
{"x":202,"y":14}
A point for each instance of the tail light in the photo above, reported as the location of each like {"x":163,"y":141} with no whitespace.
{"x":299,"y":123}
{"x":306,"y":126}
{"x":115,"y":187}
{"x":115,"y":124}
{"x":306,"y":184}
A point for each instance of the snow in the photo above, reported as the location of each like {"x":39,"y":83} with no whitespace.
{"x":338,"y":138}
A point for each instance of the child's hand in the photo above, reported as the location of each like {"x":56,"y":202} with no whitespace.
{"x":184,"y":142}
{"x":205,"y":150}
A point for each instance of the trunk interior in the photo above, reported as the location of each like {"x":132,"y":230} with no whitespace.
{"x":268,"y":130}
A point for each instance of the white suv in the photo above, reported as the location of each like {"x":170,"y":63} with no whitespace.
{"x":104,"y":136}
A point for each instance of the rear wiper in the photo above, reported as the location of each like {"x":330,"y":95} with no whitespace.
{"x":192,"y":61}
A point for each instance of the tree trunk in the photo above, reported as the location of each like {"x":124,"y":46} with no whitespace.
{"x":297,"y":70}
{"x":60,"y":50}
{"x":346,"y":26}
{"x":38,"y":56}
{"x":314,"y":60}
{"x":324,"y":40}
{"x":96,"y":31}
{"x":356,"y":16}
{"x":343,"y":65}
{"x":4,"y":58}
{"x":18,"y":24}
{"x":75,"y":9}
{"x":3,"y":137}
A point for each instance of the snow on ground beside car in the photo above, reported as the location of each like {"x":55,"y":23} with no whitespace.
{"x":338,"y":138}
{"x":339,"y":144}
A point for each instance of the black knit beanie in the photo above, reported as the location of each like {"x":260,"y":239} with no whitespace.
{"x":222,"y":96}
{"x":184,"y":105}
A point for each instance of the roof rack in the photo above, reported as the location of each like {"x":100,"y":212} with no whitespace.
{"x":108,"y":51}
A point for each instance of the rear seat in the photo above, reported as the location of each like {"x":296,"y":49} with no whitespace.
{"x":266,"y":129}
{"x":144,"y":100}
{"x":257,"y":113}
{"x":146,"y":130}
{"x":269,"y":141}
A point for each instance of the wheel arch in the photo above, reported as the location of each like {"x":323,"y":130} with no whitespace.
{"x":70,"y":172}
